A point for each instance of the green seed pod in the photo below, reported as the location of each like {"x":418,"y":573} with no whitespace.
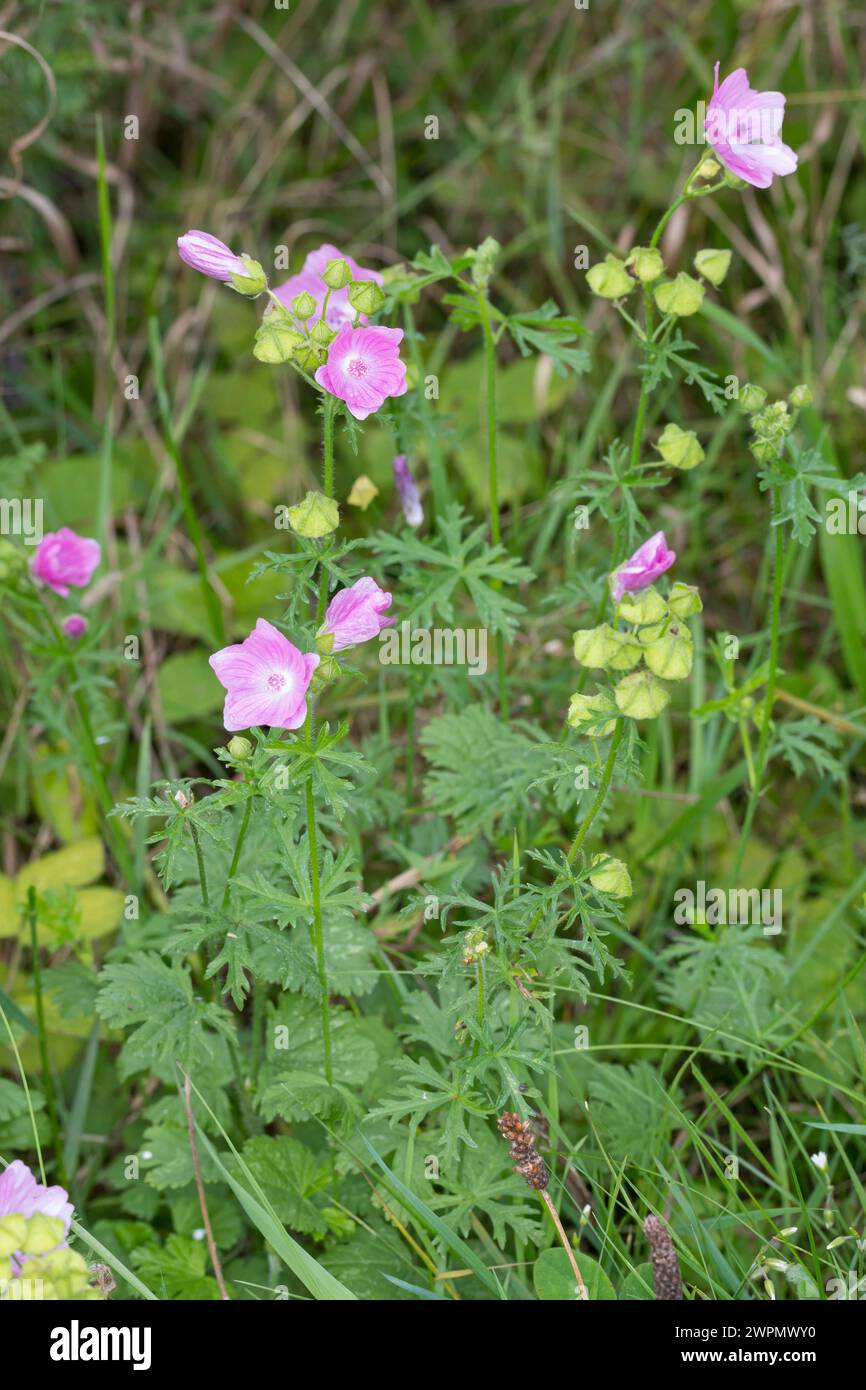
{"x":671,"y":656}
{"x":610,"y":279}
{"x":611,"y":876}
{"x":641,"y":696}
{"x":595,"y":646}
{"x":584,"y":712}
{"x":337,"y":275}
{"x":682,"y":296}
{"x":680,"y":448}
{"x":684,"y":600}
{"x":315,"y":517}
{"x":645,"y":263}
{"x":365,"y":296}
{"x":644,"y":606}
{"x":713,"y":265}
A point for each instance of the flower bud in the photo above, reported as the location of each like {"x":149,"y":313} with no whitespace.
{"x":75,"y":625}
{"x":800,"y":396}
{"x":594,"y":646}
{"x":681,"y":297}
{"x":626,"y":653}
{"x":484,"y":259}
{"x":751,"y":398}
{"x":611,"y":876}
{"x":713,"y":265}
{"x":641,"y":696}
{"x":645,"y":606}
{"x":584,"y":712}
{"x":645,"y":263}
{"x":303,"y":306}
{"x":276,"y":340}
{"x":671,"y":656}
{"x":310,"y":356}
{"x":363,"y":492}
{"x":240,"y":748}
{"x":315,"y":517}
{"x":321,"y":333}
{"x":327,"y":670}
{"x":366,"y":297}
{"x":709,"y":169}
{"x":680,"y":448}
{"x":251,"y":281}
{"x":337,"y":275}
{"x":684,"y":599}
{"x":610,"y":279}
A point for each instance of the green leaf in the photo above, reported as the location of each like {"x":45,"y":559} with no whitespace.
{"x":554,"y":1278}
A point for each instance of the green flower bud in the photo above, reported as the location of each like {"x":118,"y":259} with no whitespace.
{"x":713,"y":265}
{"x":337,"y":275}
{"x":680,"y":448}
{"x":321,"y":333}
{"x":240,"y":748}
{"x":366,"y":297}
{"x":584,"y":712}
{"x":276,"y":341}
{"x":253,"y":282}
{"x":645,"y":635}
{"x":645,"y":263}
{"x":800,"y":396}
{"x":594,"y":646}
{"x":44,"y":1233}
{"x":611,"y":876}
{"x":709,"y":168}
{"x":751,"y":398}
{"x":327,"y":670}
{"x":310,"y":356}
{"x":682,"y":296}
{"x":627,"y":652}
{"x":684,"y":600}
{"x":484,"y":259}
{"x":315,"y":517}
{"x":644,"y":606}
{"x":324,"y":641}
{"x":610,"y":279}
{"x":641,"y":696}
{"x":303,"y":305}
{"x":671,"y":656}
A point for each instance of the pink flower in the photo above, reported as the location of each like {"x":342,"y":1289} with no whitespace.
{"x":209,"y":255}
{"x":75,"y":625}
{"x":22,"y":1195}
{"x":649,"y":561}
{"x":63,"y":558}
{"x":309,"y":280}
{"x":743,"y":127}
{"x":355,"y":615}
{"x":410,"y":497}
{"x":266,"y":678}
{"x":363,"y":368}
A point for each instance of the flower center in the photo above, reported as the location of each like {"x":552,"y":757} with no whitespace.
{"x":356,"y":366}
{"x":276,"y":681}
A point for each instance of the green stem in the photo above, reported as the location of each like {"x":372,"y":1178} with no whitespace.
{"x":318,"y":935}
{"x":602,"y":791}
{"x":47,"y":1078}
{"x":770,"y":696}
{"x":199,"y":859}
{"x":438,"y":475}
{"x":493,"y":476}
{"x":227,"y":892}
{"x":328,"y":445}
{"x":479,"y":1008}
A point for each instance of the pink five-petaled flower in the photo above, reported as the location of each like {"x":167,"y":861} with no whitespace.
{"x":649,"y":561}
{"x":743,"y":127}
{"x":22,"y":1195}
{"x":355,"y":614}
{"x":309,"y":280}
{"x":363,"y":368}
{"x":63,"y":558}
{"x":266,"y":678}
{"x":209,"y":255}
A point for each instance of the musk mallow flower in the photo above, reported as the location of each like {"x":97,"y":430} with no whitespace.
{"x":266,"y":680}
{"x":410,"y":497}
{"x":64,"y":559}
{"x":22,"y":1199}
{"x":355,"y":615}
{"x":743,"y":126}
{"x":646,"y":564}
{"x":309,"y":281}
{"x":364,"y":368}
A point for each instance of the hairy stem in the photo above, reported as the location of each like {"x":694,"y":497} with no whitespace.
{"x":317,"y":931}
{"x":602,"y":791}
{"x":493,"y":476}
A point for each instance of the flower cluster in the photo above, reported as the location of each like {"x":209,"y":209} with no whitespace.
{"x":34,"y":1224}
{"x":65,"y":560}
{"x":653,"y":645}
{"x":266,"y":677}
